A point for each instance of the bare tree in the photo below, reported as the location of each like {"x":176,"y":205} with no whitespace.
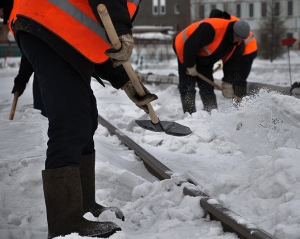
{"x":271,"y":31}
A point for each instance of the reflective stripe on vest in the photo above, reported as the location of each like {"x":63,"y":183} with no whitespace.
{"x":71,"y":20}
{"x":250,"y":44}
{"x":248,"y":39}
{"x":227,"y":57}
{"x":220,"y":27}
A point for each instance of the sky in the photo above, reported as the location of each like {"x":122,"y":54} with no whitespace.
{"x":246,"y":158}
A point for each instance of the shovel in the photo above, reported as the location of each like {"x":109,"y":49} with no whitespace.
{"x":154,"y":124}
{"x":14,"y":105}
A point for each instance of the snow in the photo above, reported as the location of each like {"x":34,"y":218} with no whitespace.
{"x":152,"y":35}
{"x":245,"y":158}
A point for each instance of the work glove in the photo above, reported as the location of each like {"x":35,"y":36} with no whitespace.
{"x":227,"y":90}
{"x":192,"y":71}
{"x":122,"y":55}
{"x":19,"y":87}
{"x":140,"y":101}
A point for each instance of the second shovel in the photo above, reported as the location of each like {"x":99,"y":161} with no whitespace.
{"x":154,"y":124}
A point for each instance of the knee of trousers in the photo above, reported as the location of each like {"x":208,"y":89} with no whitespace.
{"x":66,"y":143}
{"x":208,"y":90}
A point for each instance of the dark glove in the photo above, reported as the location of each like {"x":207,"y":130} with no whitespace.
{"x":121,"y":56}
{"x":140,"y":101}
{"x":19,"y":88}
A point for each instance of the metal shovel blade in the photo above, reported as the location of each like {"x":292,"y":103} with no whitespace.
{"x":170,"y":128}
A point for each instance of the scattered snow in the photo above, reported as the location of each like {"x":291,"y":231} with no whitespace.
{"x":245,"y":158}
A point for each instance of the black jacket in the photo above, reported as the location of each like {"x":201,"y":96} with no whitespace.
{"x":120,"y":18}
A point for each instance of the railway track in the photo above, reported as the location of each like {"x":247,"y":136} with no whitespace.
{"x":252,"y":87}
{"x":231,"y":222}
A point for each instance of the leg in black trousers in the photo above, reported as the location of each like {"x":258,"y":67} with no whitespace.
{"x":71,"y":109}
{"x":37,"y":97}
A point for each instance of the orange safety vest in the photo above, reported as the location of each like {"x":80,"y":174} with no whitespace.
{"x":220,"y":26}
{"x":12,"y":15}
{"x":71,"y":20}
{"x":250,"y":41}
{"x":132,"y":6}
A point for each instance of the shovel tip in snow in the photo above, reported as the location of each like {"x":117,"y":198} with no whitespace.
{"x":170,"y":128}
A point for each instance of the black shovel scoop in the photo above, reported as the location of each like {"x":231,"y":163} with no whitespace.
{"x":170,"y":128}
{"x":155,"y":125}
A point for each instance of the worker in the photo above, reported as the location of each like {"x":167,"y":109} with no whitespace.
{"x":249,"y":54}
{"x":198,"y":47}
{"x":65,"y":42}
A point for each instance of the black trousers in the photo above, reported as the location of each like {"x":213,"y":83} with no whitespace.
{"x":187,"y":83}
{"x":243,"y":72}
{"x":37,"y":96}
{"x":69,"y":103}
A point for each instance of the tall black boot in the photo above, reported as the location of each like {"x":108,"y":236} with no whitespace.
{"x":188,"y":103}
{"x":209,"y":102}
{"x":63,"y":198}
{"x":240,"y":91}
{"x":87,"y":177}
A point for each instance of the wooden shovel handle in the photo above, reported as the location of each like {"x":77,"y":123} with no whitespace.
{"x":209,"y":81}
{"x":14,"y":105}
{"x":217,"y":67}
{"x":215,"y":85}
{"x":111,"y":32}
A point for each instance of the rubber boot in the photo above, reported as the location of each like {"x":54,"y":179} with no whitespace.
{"x":209,"y":102}
{"x":240,"y":91}
{"x":87,"y":177}
{"x":63,"y":198}
{"x":188,"y":103}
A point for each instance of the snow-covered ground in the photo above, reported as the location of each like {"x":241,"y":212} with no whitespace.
{"x":247,"y":158}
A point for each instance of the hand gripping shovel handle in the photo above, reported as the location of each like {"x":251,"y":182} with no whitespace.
{"x":111,"y":32}
{"x":215,"y":85}
{"x":14,"y":105}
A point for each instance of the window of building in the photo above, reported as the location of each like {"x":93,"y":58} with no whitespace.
{"x":277,"y":9}
{"x":290,"y":8}
{"x":155,"y":7}
{"x":238,"y":10}
{"x":201,"y":11}
{"x":251,"y":10}
{"x":289,"y":35}
{"x":213,"y":6}
{"x":264,"y":9}
{"x":176,"y":8}
{"x":162,"y":7}
{"x":226,"y":7}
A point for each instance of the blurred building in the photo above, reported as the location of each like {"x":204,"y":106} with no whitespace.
{"x":254,"y":12}
{"x":164,"y":13}
{"x":168,"y":17}
{"x":8,"y":46}
{"x":154,"y":27}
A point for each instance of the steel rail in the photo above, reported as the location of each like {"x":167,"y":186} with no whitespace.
{"x":231,"y":222}
{"x":252,"y":87}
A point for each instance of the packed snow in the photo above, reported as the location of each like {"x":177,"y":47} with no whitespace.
{"x":246,"y":158}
